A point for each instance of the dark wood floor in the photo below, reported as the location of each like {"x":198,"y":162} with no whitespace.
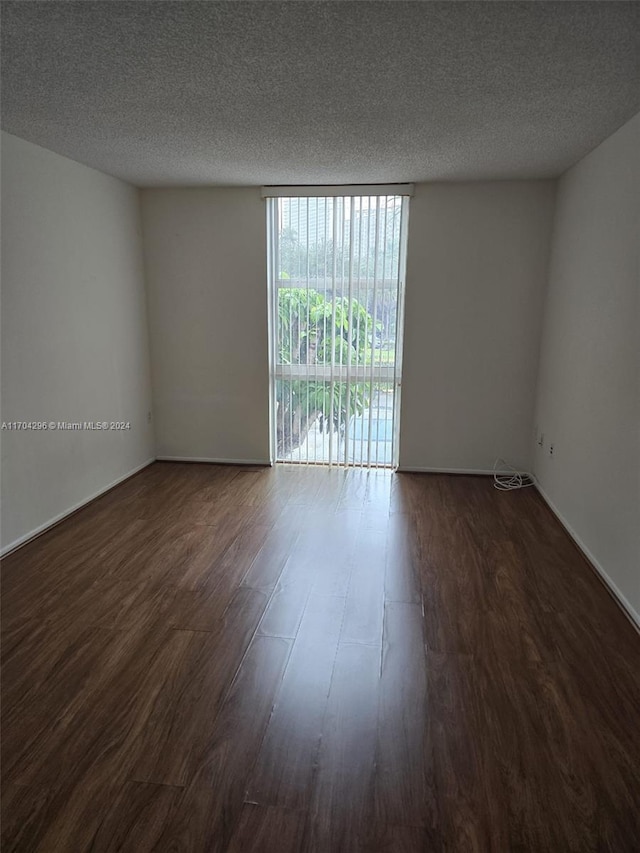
{"x":222,"y":659}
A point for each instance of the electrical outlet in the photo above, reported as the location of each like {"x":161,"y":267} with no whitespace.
{"x":551,"y":450}
{"x":149,"y":416}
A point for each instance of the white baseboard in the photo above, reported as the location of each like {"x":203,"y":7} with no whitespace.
{"x":626,"y":606}
{"x":410,"y":469}
{"x":22,"y":540}
{"x":215,"y":460}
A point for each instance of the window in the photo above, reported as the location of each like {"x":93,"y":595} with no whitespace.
{"x":336,"y":270}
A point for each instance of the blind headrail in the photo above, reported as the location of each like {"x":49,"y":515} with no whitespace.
{"x":338,"y":191}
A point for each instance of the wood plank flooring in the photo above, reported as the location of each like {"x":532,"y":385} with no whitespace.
{"x":216,"y":658}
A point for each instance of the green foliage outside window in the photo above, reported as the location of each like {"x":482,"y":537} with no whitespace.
{"x":315,"y":329}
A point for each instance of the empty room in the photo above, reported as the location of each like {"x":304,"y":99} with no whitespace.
{"x":320,"y":524}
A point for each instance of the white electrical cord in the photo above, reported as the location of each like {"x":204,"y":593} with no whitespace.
{"x":506,"y":478}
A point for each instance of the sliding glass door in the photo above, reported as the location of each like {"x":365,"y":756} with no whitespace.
{"x":336,"y":267}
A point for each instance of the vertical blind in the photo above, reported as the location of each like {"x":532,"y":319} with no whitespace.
{"x":336,"y":271}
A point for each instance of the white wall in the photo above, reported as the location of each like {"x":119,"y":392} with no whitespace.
{"x":478,"y":257}
{"x":589,"y":382}
{"x":476,"y":273}
{"x":205,"y":252}
{"x":74,"y":342}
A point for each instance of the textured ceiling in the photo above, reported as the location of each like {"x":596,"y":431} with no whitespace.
{"x":186,"y":93}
